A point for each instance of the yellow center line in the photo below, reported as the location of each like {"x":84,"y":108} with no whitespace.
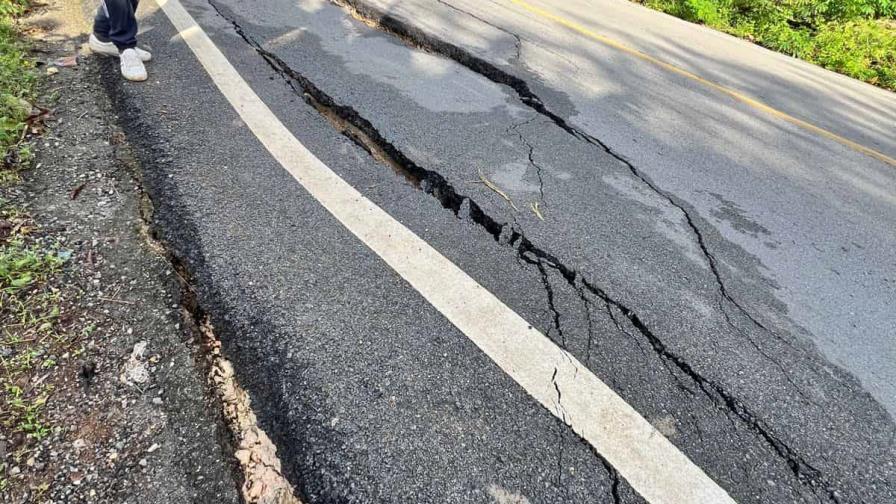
{"x":756,"y":104}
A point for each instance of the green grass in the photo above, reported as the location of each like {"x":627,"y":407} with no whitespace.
{"x":32,"y":333}
{"x":23,"y":265}
{"x":28,"y":411}
{"x":853,"y":37}
{"x":30,"y":264}
{"x":17,"y":86}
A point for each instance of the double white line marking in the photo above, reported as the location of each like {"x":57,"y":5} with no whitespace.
{"x":651,"y":464}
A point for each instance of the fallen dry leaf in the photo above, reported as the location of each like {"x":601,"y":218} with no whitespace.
{"x":67,"y":61}
{"x":76,"y":191}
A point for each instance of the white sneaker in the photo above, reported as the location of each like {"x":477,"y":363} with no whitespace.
{"x":109,"y":49}
{"x":131,"y":66}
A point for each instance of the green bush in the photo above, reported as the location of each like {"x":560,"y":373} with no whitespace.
{"x":853,"y":37}
{"x":10,"y":8}
{"x":709,"y":12}
{"x":840,"y":10}
{"x":864,"y":49}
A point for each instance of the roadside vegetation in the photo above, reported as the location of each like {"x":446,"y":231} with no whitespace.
{"x":30,"y":260}
{"x":853,"y":37}
{"x":17,"y":86}
{"x":30,"y":306}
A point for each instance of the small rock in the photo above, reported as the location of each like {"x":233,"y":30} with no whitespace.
{"x":153,"y":448}
{"x":157,"y":400}
{"x":243,"y":456}
{"x":135,"y":370}
{"x":142,"y":462}
{"x":14,"y":471}
{"x":139,"y":349}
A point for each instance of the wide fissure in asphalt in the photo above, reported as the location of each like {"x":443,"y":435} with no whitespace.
{"x":197,"y":323}
{"x":364,"y":134}
{"x":433,"y":183}
{"x":319,"y":459}
{"x":419,"y":39}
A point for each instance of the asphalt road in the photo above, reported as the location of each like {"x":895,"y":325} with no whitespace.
{"x":726,"y":266}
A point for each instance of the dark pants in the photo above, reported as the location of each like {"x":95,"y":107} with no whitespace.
{"x":115,"y":21}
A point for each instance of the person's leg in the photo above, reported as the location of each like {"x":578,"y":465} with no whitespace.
{"x":115,"y":34}
{"x":101,"y":24}
{"x":116,"y":22}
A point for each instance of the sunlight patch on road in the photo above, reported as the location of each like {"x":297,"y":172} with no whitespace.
{"x":737,"y":95}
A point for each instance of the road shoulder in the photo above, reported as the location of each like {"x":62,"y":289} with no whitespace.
{"x":118,"y":381}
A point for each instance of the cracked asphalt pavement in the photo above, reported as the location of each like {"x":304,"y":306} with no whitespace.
{"x":731,"y":275}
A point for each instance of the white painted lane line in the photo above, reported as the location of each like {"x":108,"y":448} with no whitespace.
{"x":653,"y":466}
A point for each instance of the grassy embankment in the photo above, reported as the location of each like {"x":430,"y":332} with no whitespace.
{"x":853,"y":37}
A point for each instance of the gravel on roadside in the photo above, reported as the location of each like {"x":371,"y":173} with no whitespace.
{"x":128,"y":415}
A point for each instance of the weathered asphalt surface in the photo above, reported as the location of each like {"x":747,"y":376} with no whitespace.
{"x":693,"y":276}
